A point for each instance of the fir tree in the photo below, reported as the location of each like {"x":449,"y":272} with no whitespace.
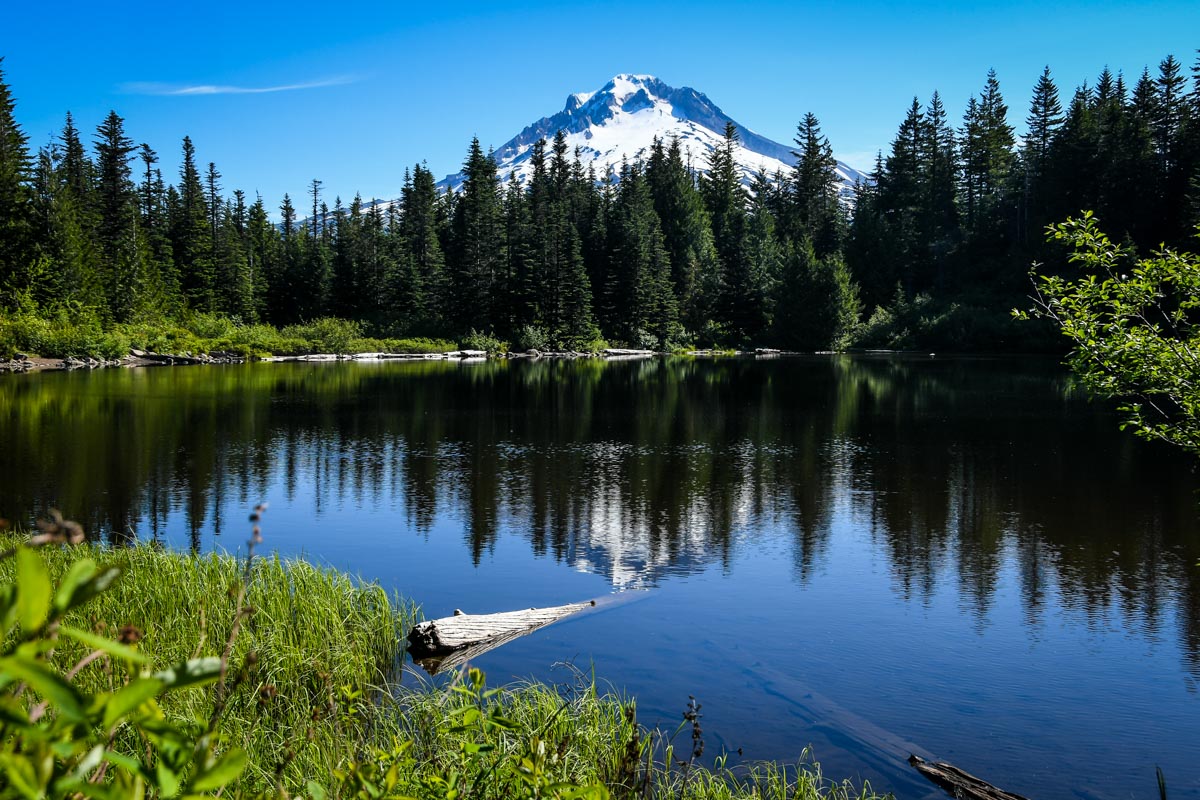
{"x":426,"y":289}
{"x":18,"y":248}
{"x":1044,"y":121}
{"x":686,"y":232}
{"x":192,"y":237}
{"x":640,"y":304}
{"x":725,"y":198}
{"x":122,"y":266}
{"x":476,"y":243}
{"x":815,"y":211}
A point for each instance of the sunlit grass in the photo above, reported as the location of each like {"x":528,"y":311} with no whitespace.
{"x":318,"y":695}
{"x":313,"y":631}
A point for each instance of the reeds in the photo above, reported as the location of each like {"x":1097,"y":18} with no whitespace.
{"x":313,"y":694}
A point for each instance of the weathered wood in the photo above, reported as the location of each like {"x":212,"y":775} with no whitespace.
{"x":442,"y":644}
{"x":627,"y":352}
{"x":959,"y":784}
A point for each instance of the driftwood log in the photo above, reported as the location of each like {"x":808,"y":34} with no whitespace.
{"x":958,"y":783}
{"x":443,"y":644}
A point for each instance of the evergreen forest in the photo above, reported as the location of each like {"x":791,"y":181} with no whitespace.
{"x":933,"y":252}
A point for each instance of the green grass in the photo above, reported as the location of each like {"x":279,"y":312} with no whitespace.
{"x":319,"y":701}
{"x":313,"y":632}
{"x":61,"y":335}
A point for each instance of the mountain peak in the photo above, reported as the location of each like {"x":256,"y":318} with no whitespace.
{"x":620,"y":121}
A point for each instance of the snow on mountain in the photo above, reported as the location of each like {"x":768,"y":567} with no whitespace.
{"x":621,"y":120}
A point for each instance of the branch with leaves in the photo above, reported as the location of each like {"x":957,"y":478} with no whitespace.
{"x":1134,"y":324}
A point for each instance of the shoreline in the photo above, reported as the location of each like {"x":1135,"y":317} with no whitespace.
{"x":25,"y":363}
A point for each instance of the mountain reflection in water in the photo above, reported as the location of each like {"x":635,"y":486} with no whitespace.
{"x":952,"y":473}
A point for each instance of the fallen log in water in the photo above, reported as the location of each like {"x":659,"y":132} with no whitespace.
{"x":958,"y":783}
{"x":446,"y":643}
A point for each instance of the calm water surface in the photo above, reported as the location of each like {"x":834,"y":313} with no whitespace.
{"x":961,"y":558}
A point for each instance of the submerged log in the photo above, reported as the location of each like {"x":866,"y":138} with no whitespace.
{"x":958,"y":783}
{"x":445,"y":643}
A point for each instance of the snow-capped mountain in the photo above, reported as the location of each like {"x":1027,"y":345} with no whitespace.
{"x":621,"y":120}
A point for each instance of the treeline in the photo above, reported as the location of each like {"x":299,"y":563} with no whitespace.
{"x":935,"y":249}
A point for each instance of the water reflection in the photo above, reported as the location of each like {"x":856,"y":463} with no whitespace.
{"x":639,"y":471}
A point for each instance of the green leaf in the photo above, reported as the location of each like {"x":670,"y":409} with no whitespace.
{"x":222,"y":773}
{"x":83,"y":582}
{"x":168,"y":781}
{"x":8,"y":606}
{"x":47,"y":683}
{"x":315,"y":791}
{"x":113,"y":648}
{"x":503,"y":722}
{"x":129,"y":698}
{"x":33,"y":590}
{"x":127,"y":763}
{"x":21,"y":775}
{"x":80,"y":572}
{"x":88,"y":763}
{"x":194,"y":672}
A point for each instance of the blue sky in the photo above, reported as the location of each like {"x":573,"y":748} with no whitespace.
{"x":364,"y":89}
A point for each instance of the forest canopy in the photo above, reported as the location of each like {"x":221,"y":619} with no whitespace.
{"x":932,"y":251}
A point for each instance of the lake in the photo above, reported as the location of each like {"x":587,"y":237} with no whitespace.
{"x":964,"y":558}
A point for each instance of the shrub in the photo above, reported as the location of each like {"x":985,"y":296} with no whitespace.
{"x":326,"y":335}
{"x":532,"y":337}
{"x":483,"y":341}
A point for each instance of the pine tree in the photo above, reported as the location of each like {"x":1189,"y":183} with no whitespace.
{"x":421,"y":283}
{"x":284,"y":291}
{"x":18,"y":248}
{"x":517,"y":288}
{"x":817,"y":304}
{"x":1190,"y":154}
{"x":902,"y":198}
{"x":476,"y":243}
{"x":262,"y":257}
{"x":763,"y":258}
{"x":725,"y":198}
{"x":64,"y":278}
{"x":311,"y":273}
{"x":815,"y":211}
{"x":939,"y":167}
{"x":686,"y":231}
{"x":639,"y":305}
{"x":236,"y":290}
{"x":987,"y":153}
{"x":192,"y":237}
{"x":1170,"y":126}
{"x":869,"y":253}
{"x":122,"y":264}
{"x":1044,"y":121}
{"x":162,"y":290}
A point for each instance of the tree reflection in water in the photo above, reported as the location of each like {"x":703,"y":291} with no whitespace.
{"x":641,"y":470}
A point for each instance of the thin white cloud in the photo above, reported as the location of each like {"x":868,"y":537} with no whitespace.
{"x":198,"y":90}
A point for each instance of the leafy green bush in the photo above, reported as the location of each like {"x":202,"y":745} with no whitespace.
{"x":60,"y":336}
{"x":596,"y":345}
{"x":532,"y":337}
{"x":60,"y":739}
{"x":1134,"y":328}
{"x":483,"y":341}
{"x":326,"y":335}
{"x":371,"y":345}
{"x":210,"y":326}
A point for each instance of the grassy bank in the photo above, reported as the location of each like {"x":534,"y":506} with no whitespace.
{"x":315,"y":705}
{"x":314,"y":633}
{"x":61,"y":335}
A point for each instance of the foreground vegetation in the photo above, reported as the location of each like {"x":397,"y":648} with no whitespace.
{"x":1133,"y":326}
{"x":139,"y":672}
